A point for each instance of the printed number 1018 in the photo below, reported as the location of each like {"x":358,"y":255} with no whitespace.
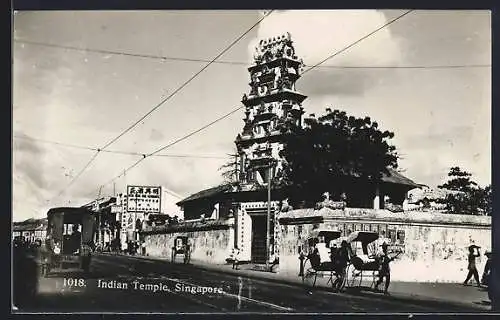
{"x":74,"y":282}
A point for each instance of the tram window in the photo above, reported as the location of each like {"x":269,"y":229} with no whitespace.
{"x":401,"y":237}
{"x":68,"y":229}
{"x":392,"y":235}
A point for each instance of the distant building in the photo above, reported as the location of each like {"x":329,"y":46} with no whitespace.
{"x":426,"y":198}
{"x":134,"y":207}
{"x":107,"y":226}
{"x":30,"y":230}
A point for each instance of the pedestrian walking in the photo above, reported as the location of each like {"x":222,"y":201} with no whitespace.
{"x":384,"y":270}
{"x":235,"y":258}
{"x":473,"y":254}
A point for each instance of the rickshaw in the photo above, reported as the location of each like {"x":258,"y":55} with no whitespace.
{"x":66,"y":248}
{"x":181,"y":247}
{"x":313,"y":266}
{"x":364,"y":261}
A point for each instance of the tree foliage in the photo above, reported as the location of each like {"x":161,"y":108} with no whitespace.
{"x":230,"y":171}
{"x":469,"y":197}
{"x":332,"y":148}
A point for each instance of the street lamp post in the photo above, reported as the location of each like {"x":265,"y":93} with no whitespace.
{"x":268,"y":233}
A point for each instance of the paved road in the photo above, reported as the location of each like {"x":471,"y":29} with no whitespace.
{"x":166,"y":288}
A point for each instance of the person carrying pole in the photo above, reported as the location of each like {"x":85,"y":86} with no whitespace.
{"x":473,"y":254}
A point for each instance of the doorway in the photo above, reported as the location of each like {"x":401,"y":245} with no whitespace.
{"x":259,"y":239}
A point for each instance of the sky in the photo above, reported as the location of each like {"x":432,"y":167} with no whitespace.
{"x":441,"y":117}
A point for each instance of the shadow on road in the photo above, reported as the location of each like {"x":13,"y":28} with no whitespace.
{"x":445,"y":306}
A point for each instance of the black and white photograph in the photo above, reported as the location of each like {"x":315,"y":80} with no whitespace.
{"x":252,"y":161}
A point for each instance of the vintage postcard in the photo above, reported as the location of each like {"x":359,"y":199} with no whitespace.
{"x":252,"y":161}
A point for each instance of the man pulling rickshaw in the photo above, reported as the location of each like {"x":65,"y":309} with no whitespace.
{"x":384,"y":269}
{"x":340,"y":258}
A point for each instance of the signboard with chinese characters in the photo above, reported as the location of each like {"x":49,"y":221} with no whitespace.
{"x":145,"y":199}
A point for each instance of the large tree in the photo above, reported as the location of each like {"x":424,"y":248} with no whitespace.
{"x":469,"y":197}
{"x":332,"y":149}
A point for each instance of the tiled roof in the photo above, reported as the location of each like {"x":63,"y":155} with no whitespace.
{"x":207,"y":193}
{"x":397,"y":178}
{"x":393,"y":177}
{"x":30,"y":225}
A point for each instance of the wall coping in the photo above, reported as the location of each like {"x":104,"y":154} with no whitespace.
{"x":190,"y":226}
{"x":311,"y":215}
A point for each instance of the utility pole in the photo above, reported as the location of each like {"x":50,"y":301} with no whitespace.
{"x":236,"y":167}
{"x":268,"y":233}
{"x":99,"y":218}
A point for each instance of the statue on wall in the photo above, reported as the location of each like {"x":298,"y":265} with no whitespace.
{"x":257,"y":56}
{"x":280,"y":49}
{"x":287,"y":84}
{"x":329,"y":203}
{"x":288,"y":51}
{"x":279,"y":84}
{"x":285,"y":206}
{"x":267,"y":56}
{"x":326,"y":196}
{"x":262,"y":90}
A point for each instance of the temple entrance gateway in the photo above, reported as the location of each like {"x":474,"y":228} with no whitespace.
{"x":258,"y":215}
{"x":258,"y":239}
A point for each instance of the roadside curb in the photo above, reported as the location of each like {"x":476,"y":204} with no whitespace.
{"x":404,"y":297}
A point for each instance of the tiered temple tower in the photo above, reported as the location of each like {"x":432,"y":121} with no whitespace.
{"x":272,"y":100}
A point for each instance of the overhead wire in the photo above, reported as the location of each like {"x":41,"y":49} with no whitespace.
{"x":358,"y":41}
{"x":121,"y":53}
{"x":163,"y":101}
{"x":241,"y":63}
{"x":55,"y":143}
{"x":118,"y":151}
{"x":173,"y":143}
{"x":187,"y":82}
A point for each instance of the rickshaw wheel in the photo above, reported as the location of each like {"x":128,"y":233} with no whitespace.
{"x":352,"y":274}
{"x":340,"y":282}
{"x":310,"y":275}
{"x":375,"y":279}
